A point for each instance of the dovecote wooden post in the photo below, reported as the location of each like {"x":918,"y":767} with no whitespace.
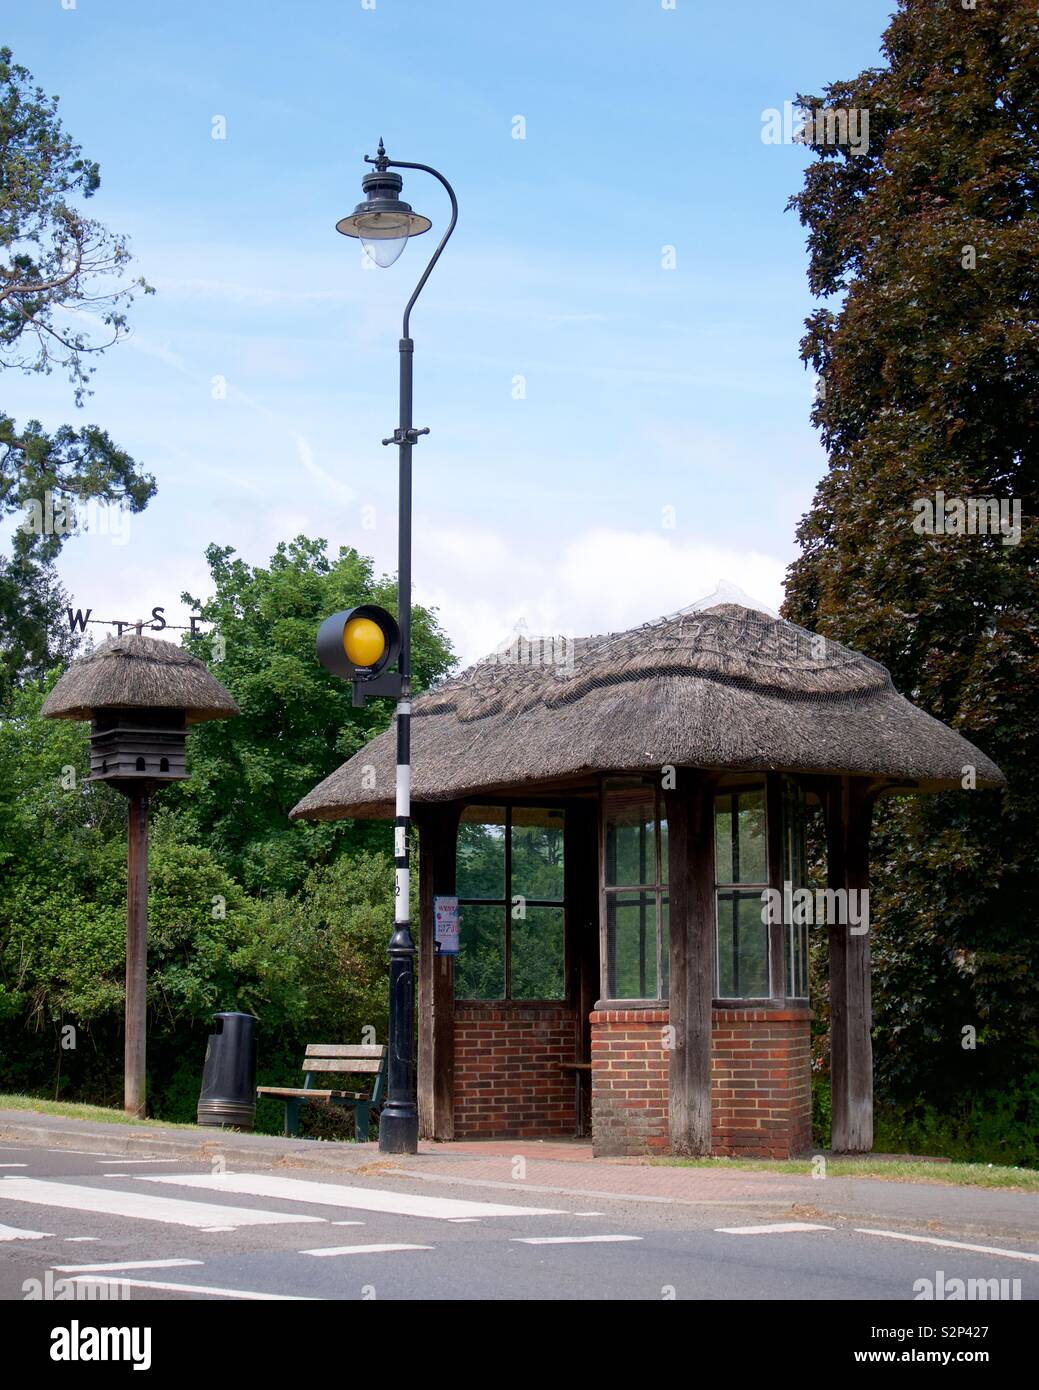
{"x":140,"y":694}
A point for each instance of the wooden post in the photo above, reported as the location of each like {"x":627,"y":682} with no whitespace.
{"x":849,"y":806}
{"x":438,"y":829}
{"x":690,"y":823}
{"x":136,"y":953}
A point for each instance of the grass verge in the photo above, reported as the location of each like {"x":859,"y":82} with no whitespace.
{"x":72,"y":1111}
{"x":885,"y":1169}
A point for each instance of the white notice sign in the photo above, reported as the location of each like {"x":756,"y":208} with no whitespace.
{"x":445,"y":925}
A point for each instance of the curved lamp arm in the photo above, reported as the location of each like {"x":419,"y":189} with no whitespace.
{"x":426,"y":169}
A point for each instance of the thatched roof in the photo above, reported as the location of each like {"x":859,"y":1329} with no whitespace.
{"x":727,"y":688}
{"x":137,"y":672}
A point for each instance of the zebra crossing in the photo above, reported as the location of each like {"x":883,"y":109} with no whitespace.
{"x":186,"y":1234}
{"x":144,"y":1204}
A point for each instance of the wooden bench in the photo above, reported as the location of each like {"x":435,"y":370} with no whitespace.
{"x":344,"y":1058}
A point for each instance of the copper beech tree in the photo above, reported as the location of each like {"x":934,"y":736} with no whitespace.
{"x":923,"y":249}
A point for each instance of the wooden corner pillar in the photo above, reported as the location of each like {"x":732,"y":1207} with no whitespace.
{"x":849,"y":810}
{"x":692,"y":949}
{"x":438,"y":829}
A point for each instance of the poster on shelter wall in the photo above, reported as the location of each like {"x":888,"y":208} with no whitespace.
{"x":445,"y":925}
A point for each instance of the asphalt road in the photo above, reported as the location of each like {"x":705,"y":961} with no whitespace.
{"x":175,"y":1230}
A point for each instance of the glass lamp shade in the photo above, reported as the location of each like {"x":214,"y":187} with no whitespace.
{"x":383,"y":223}
{"x":384,"y":235}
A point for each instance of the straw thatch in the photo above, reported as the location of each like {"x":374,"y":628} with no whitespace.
{"x":726,"y":688}
{"x":138,"y":672}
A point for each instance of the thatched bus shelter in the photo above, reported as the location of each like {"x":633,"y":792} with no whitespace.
{"x":140,"y":694}
{"x":614,"y":816}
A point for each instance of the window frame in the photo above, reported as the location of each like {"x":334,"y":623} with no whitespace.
{"x":660,"y":890}
{"x":506,"y":904}
{"x":734,"y":787}
{"x":794,"y":823}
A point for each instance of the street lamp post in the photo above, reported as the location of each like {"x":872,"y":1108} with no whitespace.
{"x":383,"y":224}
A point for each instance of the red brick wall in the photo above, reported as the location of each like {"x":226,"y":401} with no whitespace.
{"x":629,"y":1081}
{"x":760,"y":1087}
{"x":508,"y":1081}
{"x":761,"y":1092}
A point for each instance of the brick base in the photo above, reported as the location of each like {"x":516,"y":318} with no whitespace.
{"x":629,"y":1081}
{"x":760,"y":1082}
{"x":508,"y":1080}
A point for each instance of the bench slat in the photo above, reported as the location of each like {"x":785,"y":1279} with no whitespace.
{"x":311,"y":1094}
{"x":347,"y":1066}
{"x":345,"y":1050}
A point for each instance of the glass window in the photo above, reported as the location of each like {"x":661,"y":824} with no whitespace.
{"x":480,"y":871}
{"x":634,"y":891}
{"x":741,"y":875}
{"x":509,"y":882}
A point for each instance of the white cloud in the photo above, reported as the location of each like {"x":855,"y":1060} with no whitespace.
{"x":602,"y":580}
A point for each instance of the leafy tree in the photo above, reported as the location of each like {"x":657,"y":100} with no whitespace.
{"x":57,"y":268}
{"x":297,"y":722}
{"x":923,"y":249}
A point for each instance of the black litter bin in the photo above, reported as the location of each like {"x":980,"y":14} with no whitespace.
{"x":228,"y":1096}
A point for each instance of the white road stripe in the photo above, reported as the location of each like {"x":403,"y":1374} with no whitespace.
{"x":362,"y":1249}
{"x":570,"y":1240}
{"x":14,"y":1165}
{"x":951,"y":1244}
{"x":13,"y":1233}
{"x":193,"y":1288}
{"x":128,"y":1264}
{"x":75,"y":1240}
{"x":333,"y":1195}
{"x":778,"y":1228}
{"x":140,"y":1205}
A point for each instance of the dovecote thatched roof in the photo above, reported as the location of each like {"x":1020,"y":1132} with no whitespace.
{"x":726,"y":688}
{"x":138,"y":672}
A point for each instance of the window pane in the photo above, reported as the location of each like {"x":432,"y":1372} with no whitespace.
{"x":665,"y":947}
{"x":663,"y":850}
{"x":742,"y":947}
{"x":537,"y":855}
{"x":798,"y":948}
{"x":740,"y":845}
{"x":630,"y":835}
{"x":631,"y":945}
{"x":481,"y":853}
{"x":480,"y":965}
{"x":537,"y":954}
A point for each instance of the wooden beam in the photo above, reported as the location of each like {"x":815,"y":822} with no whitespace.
{"x":438,"y":829}
{"x":849,"y":807}
{"x":134,"y":1100}
{"x":775,"y":829}
{"x":692,"y":968}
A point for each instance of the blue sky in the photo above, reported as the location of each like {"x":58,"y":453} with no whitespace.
{"x":663,"y":440}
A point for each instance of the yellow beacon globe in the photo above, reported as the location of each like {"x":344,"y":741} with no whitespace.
{"x":363,"y":641}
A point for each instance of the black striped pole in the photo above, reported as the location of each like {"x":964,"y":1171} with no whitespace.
{"x":398,"y":1124}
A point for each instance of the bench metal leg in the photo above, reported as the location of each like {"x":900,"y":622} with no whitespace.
{"x":292,"y":1116}
{"x":361,"y":1121}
